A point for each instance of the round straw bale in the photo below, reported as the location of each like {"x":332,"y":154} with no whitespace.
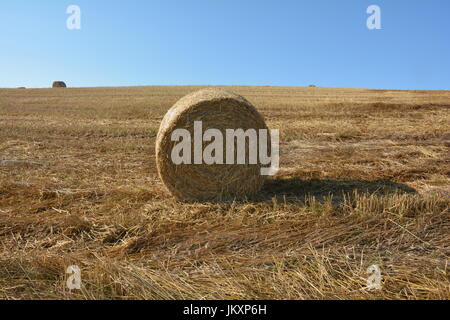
{"x":216,"y":109}
{"x":59,"y":84}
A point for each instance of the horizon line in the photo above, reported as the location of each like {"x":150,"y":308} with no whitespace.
{"x":217,"y":85}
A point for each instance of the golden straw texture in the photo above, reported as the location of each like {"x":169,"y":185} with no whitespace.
{"x":217,"y":109}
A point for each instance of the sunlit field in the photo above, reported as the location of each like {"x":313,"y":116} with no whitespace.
{"x":364,"y":179}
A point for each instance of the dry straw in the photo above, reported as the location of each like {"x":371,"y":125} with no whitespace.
{"x":59,"y":84}
{"x":217,"y":109}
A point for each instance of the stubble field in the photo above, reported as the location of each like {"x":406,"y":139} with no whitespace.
{"x":364,"y":179}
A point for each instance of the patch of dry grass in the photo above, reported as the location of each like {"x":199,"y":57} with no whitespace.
{"x":364,"y":180}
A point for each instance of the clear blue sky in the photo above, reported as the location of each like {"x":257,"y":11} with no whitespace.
{"x":226,"y":42}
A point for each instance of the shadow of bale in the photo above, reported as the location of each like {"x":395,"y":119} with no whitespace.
{"x":295,"y":190}
{"x":321,"y":188}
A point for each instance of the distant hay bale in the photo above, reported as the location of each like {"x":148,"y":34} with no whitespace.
{"x":59,"y":84}
{"x":217,"y":109}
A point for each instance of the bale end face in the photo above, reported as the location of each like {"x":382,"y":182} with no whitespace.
{"x":198,"y":181}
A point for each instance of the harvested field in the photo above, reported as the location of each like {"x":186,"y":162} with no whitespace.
{"x":364,"y":179}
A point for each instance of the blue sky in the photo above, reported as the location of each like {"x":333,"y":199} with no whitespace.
{"x":226,"y":42}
